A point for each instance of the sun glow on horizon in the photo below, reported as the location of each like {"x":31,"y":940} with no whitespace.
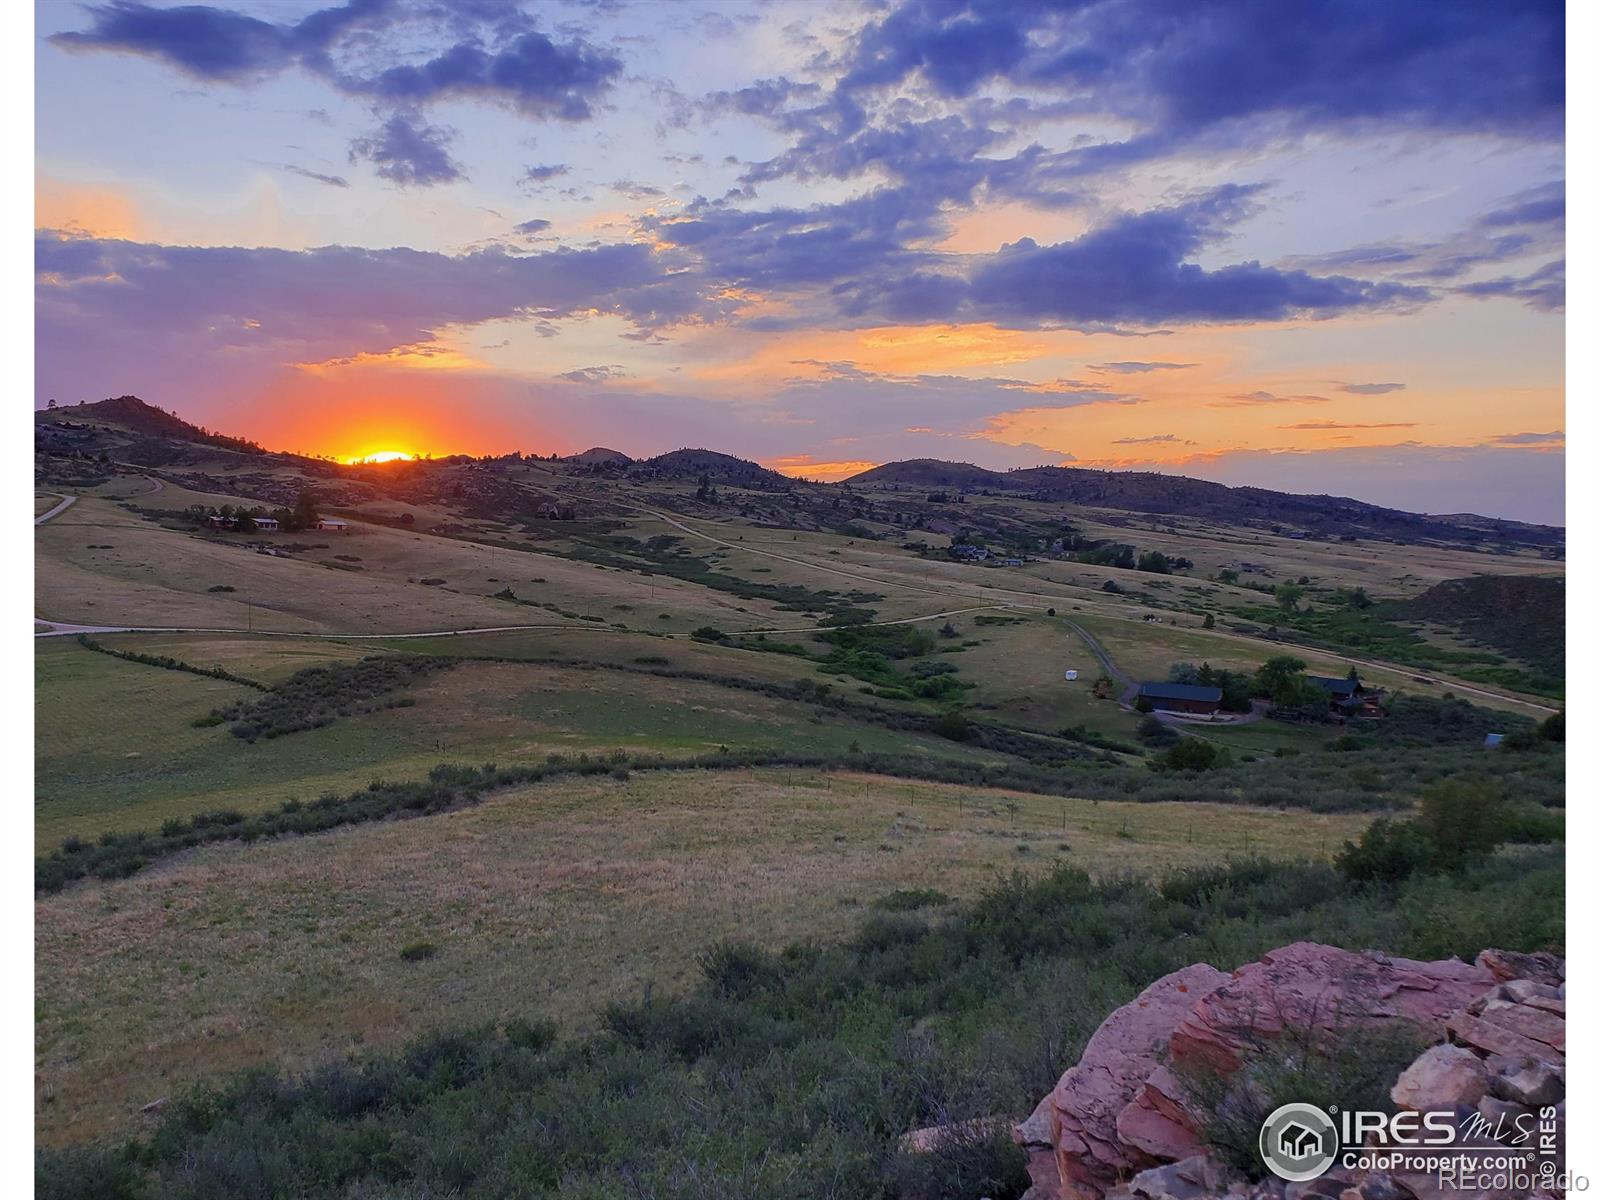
{"x":380,"y":456}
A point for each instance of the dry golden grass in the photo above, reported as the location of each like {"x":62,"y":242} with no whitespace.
{"x":548,"y":900}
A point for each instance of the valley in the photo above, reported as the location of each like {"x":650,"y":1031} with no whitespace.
{"x":764,"y":707}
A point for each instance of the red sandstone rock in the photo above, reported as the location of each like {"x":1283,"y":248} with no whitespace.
{"x":1321,"y":987}
{"x":1119,"y":1058}
{"x":1158,"y":1121}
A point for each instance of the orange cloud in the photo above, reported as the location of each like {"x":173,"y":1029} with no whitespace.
{"x":419,"y":356}
{"x":94,"y":210}
{"x":889,"y":350}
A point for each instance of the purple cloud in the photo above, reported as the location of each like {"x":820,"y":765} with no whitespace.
{"x":502,"y":57}
{"x":1371,"y":389}
{"x":409,"y":152}
{"x":1555,"y":437}
{"x":1139,"y":368}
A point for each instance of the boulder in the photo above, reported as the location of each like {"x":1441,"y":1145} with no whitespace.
{"x":1530,"y":1081}
{"x":1539,"y":995}
{"x":1441,"y":1077}
{"x":1506,"y":1120}
{"x":1321,"y":987}
{"x":1122,"y":1054}
{"x":1530,"y":1022}
{"x":1194,"y":1178}
{"x":1493,"y":1038}
{"x":1037,"y":1137}
{"x":1506,"y":965}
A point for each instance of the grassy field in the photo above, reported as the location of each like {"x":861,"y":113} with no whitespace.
{"x":117,"y":750}
{"x":551,"y":900}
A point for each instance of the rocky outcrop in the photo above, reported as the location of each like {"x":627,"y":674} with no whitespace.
{"x":1120,"y":1123}
{"x":1444,"y":1076}
{"x":1090,"y":1155}
{"x":1315,"y":987}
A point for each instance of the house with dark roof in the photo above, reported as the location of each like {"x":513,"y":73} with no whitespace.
{"x":1348,"y":697}
{"x":1181,"y":697}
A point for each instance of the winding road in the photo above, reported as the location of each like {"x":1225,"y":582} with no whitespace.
{"x":66,"y":503}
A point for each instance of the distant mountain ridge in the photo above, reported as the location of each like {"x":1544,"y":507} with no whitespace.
{"x":156,"y":430}
{"x":1179,"y":495}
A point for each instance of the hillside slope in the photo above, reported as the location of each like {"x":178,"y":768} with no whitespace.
{"x":1523,"y":616}
{"x":1150,"y":492}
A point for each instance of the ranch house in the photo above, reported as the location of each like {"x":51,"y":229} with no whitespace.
{"x":1181,"y":697}
{"x":1347,"y":697}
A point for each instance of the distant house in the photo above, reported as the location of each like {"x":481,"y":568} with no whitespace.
{"x":221,"y":522}
{"x":969,"y":553}
{"x":1348,"y":697}
{"x":1011,"y":562}
{"x":1181,"y":697}
{"x":265,"y":524}
{"x":334,"y":525}
{"x":552,"y":511}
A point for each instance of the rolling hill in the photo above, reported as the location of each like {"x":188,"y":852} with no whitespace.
{"x":1149,"y":492}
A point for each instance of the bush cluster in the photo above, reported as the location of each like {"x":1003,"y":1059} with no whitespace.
{"x":318,"y":696}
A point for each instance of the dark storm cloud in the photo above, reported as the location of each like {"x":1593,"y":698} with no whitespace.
{"x":1133,"y":270}
{"x":531,"y":73}
{"x":216,"y":44}
{"x":1138,"y":270}
{"x":500,"y":55}
{"x":1182,"y":75}
{"x":408,"y":151}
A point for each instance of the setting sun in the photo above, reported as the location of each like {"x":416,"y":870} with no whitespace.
{"x":381,"y":456}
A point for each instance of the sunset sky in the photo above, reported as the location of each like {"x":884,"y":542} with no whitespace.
{"x":1316,"y":246}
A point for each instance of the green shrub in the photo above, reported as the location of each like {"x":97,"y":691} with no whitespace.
{"x":969,"y":1161}
{"x":1388,"y":851}
{"x":910,"y":899}
{"x":417,"y":951}
{"x":1352,"y":1068}
{"x":530,"y":1035}
{"x":1465,"y":817}
{"x":1191,"y":754}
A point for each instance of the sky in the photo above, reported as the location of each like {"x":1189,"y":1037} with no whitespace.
{"x":1315,"y":246}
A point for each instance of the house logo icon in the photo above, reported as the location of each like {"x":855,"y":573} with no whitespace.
{"x":1299,"y":1142}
